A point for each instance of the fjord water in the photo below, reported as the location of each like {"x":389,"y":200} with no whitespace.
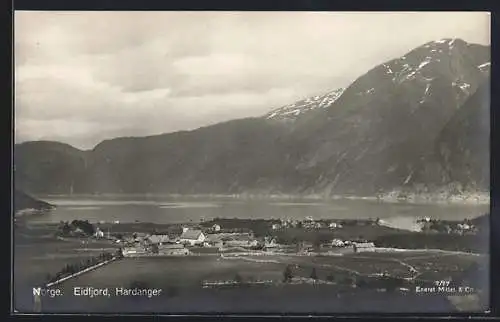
{"x":182,"y":210}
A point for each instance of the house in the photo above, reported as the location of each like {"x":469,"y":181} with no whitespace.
{"x":332,"y":225}
{"x":363,"y":247}
{"x":158,"y":239}
{"x":276,"y":226}
{"x":133,"y":251}
{"x":214,"y":240}
{"x":241,"y":243}
{"x":337,"y":243}
{"x":464,"y":226}
{"x":172,"y":250}
{"x":216,"y":227}
{"x":270,"y":243}
{"x":98,"y":233}
{"x":192,"y":237}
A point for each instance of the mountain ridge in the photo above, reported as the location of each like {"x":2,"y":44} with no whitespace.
{"x":368,"y":138}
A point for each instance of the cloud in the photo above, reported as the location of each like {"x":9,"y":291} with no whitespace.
{"x":82,"y":77}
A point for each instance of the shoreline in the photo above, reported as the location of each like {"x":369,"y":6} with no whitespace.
{"x":475,"y":199}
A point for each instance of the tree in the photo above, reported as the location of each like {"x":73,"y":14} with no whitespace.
{"x":238,"y":278}
{"x":314,"y":275}
{"x":154,"y":249}
{"x":65,"y":229}
{"x":298,"y":246}
{"x":287,"y":274}
{"x":361,"y":282}
{"x":317,"y":244}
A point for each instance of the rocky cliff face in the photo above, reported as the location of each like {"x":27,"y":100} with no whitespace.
{"x":403,"y":124}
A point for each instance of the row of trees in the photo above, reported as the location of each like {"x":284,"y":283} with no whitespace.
{"x":73,"y":268}
{"x":66,"y":228}
{"x":387,"y":282}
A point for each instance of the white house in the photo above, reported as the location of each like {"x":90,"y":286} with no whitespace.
{"x":337,"y":243}
{"x":334,"y":225}
{"x":364,"y":247}
{"x":213,"y":240}
{"x":192,"y":237}
{"x":276,"y":226}
{"x":464,"y":226}
{"x":133,"y":251}
{"x":216,"y":227}
{"x":98,"y":233}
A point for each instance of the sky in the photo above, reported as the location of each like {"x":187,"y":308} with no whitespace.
{"x":83,"y":77}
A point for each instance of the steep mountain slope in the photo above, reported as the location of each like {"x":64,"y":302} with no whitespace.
{"x":377,"y":135}
{"x":222,"y":158}
{"x":44,"y":166}
{"x":463,"y":145}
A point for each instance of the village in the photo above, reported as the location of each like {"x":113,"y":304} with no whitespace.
{"x":227,"y":236}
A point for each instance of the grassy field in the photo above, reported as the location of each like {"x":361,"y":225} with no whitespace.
{"x":180,"y":279}
{"x":189,"y":272}
{"x":181,"y":272}
{"x":37,"y":253}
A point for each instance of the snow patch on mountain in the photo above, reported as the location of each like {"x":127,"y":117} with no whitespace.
{"x":425,"y":93}
{"x":485,"y":68}
{"x":484,"y":65}
{"x":425,"y":62}
{"x":292,"y":111}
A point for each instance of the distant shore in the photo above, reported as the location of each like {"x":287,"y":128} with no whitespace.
{"x":482,"y":198}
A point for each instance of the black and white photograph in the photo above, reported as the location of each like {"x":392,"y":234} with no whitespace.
{"x":251,"y":162}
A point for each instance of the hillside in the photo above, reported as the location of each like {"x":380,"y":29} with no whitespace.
{"x":375,"y":136}
{"x":23,"y":201}
{"x":45,"y":166}
{"x":378,"y":135}
{"x":463,"y":145}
